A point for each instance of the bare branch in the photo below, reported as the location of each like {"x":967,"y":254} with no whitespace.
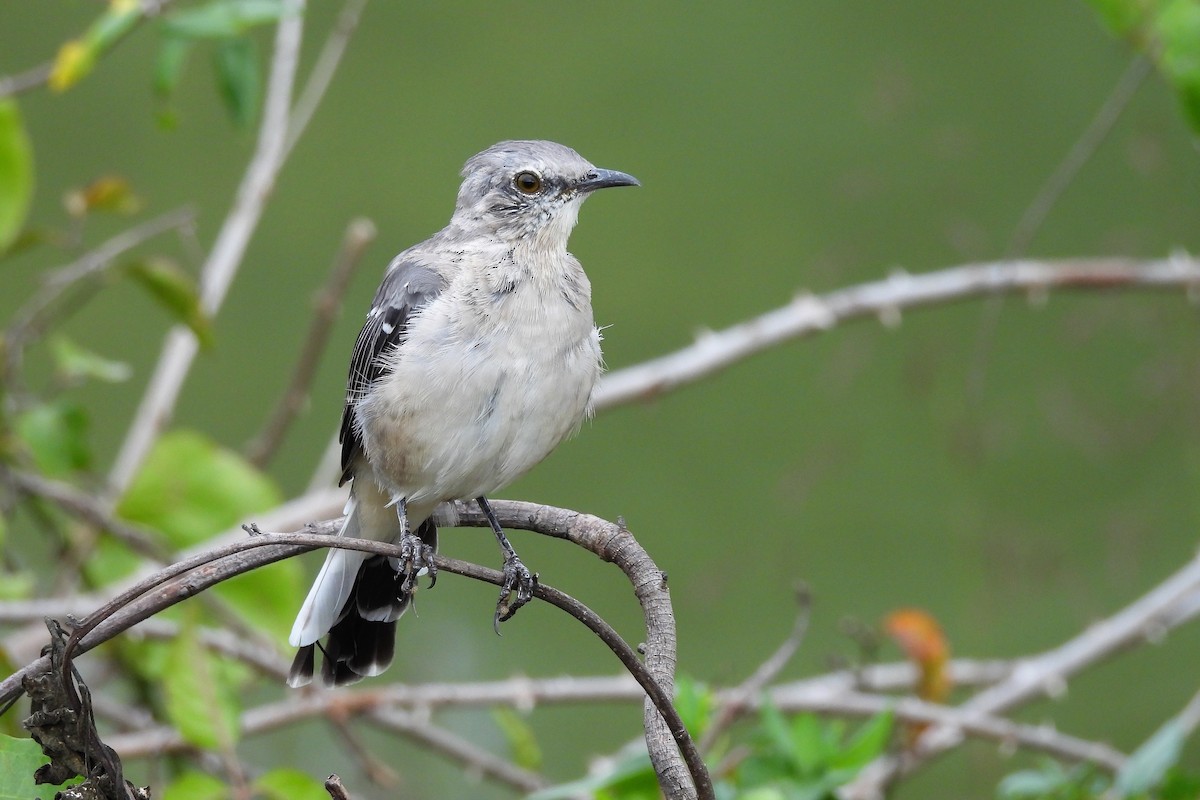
{"x":885,"y":300}
{"x":336,"y":789}
{"x":742,"y":696}
{"x":322,"y":72}
{"x":30,"y":321}
{"x":223,"y":261}
{"x":1147,"y":618}
{"x":359,"y":235}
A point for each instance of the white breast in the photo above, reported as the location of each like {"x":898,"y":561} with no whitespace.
{"x":484,"y":387}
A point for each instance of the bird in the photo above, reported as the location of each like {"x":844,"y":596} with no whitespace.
{"x":477,"y":358}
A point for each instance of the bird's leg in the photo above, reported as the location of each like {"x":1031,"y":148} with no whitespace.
{"x":517,"y":576}
{"x":415,"y":553}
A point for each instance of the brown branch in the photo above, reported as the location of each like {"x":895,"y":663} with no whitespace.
{"x":611,"y":542}
{"x":326,"y":304}
{"x":336,"y":789}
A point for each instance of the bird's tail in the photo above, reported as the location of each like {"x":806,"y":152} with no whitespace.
{"x":356,"y":599}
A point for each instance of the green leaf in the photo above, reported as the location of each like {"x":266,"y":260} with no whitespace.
{"x":1178,"y":30}
{"x":238,"y":78}
{"x":867,"y":744}
{"x":168,"y":69}
{"x":192,"y":785}
{"x":1122,"y":17}
{"x":77,"y":57}
{"x":19,"y":759}
{"x":1147,"y":766}
{"x":222,"y":19}
{"x":290,"y":784}
{"x":695,"y":703}
{"x":811,"y":748}
{"x":520,"y":737}
{"x":56,"y":435}
{"x":75,"y":364}
{"x":191,"y":488}
{"x":198,"y":701}
{"x":175,"y":290}
{"x":16,"y":173}
{"x":629,"y":779}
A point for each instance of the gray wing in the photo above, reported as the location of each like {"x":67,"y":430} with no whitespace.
{"x":406,"y":288}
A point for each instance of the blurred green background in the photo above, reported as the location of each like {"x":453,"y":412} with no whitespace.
{"x":1018,"y":474}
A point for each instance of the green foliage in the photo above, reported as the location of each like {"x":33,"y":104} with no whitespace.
{"x":19,"y":759}
{"x":16,"y":173}
{"x":175,"y":290}
{"x":194,"y":785}
{"x":1168,"y":32}
{"x":520,"y":737}
{"x":802,"y":758}
{"x":55,"y":434}
{"x":199,"y":699}
{"x":808,"y":757}
{"x":228,"y":24}
{"x":289,"y":784}
{"x":77,"y":57}
{"x":191,"y":488}
{"x":239,"y":78}
{"x":73,"y":363}
{"x":1147,"y":767}
{"x":1151,"y":773}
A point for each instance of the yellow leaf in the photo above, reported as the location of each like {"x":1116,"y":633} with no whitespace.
{"x":74,"y":61}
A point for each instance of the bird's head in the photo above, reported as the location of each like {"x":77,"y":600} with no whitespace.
{"x":529,"y":190}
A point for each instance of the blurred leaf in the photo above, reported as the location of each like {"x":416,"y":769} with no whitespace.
{"x":75,"y":364}
{"x":193,"y":785}
{"x":1122,"y":16}
{"x":695,"y":703}
{"x":267,"y":598}
{"x":198,"y":702}
{"x":631,"y":778}
{"x":811,"y":747}
{"x":110,"y":193}
{"x":290,"y":784}
{"x":168,"y":69}
{"x":19,"y":759}
{"x":223,"y":19}
{"x":522,"y":742}
{"x":191,"y":488}
{"x":1178,"y":29}
{"x":239,"y":78}
{"x":109,"y":561}
{"x":868,"y":743}
{"x":16,"y":585}
{"x":16,"y":173}
{"x":175,"y":290}
{"x":1147,"y":766}
{"x":56,"y":435}
{"x":77,"y":57}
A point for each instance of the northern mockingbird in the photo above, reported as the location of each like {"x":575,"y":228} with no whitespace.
{"x":478,"y":356}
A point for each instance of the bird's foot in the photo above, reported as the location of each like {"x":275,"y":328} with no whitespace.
{"x":518,"y":579}
{"x":416,"y":555}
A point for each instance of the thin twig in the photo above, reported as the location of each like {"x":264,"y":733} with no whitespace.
{"x":181,"y":345}
{"x":359,"y":235}
{"x":30,"y":321}
{"x":24,"y":81}
{"x":742,"y":696}
{"x":811,"y":314}
{"x":322,"y":72}
{"x":1080,"y":153}
{"x":1144,"y":619}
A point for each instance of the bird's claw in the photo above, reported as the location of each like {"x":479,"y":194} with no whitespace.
{"x":415,"y":555}
{"x":517,"y":578}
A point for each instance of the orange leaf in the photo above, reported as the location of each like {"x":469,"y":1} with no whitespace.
{"x":920,"y":637}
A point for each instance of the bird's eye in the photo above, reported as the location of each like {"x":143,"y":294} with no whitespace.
{"x":528,"y":182}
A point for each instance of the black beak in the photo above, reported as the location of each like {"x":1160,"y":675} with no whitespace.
{"x":604,"y":178}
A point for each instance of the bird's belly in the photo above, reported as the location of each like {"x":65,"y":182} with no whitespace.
{"x":474,"y":416}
